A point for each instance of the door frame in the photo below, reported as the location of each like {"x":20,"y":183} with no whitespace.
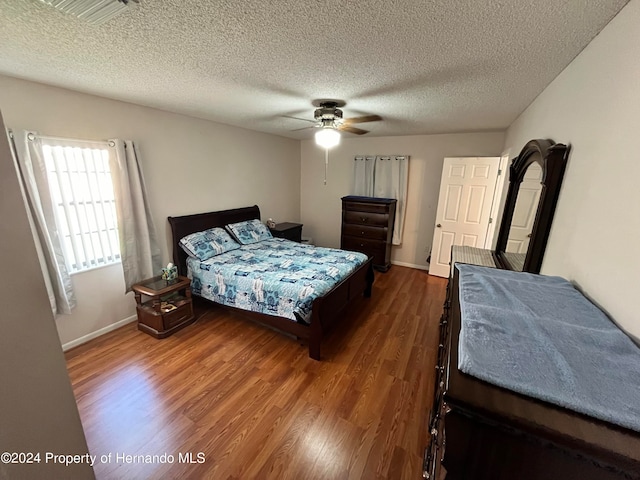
{"x":497,"y":206}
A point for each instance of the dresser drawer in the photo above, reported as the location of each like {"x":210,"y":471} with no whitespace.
{"x":434,"y":453}
{"x":373,"y":248}
{"x":366,"y":218}
{"x":358,"y":244}
{"x":177,"y":316}
{"x":365,"y":207}
{"x":365,"y":231}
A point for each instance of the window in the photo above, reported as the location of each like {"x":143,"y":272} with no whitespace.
{"x":82,"y":193}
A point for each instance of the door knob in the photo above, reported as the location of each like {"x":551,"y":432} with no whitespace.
{"x":439,"y":226}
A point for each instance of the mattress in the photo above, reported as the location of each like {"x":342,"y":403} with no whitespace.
{"x":275,"y":276}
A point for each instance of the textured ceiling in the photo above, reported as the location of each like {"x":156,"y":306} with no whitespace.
{"x":427,"y":67}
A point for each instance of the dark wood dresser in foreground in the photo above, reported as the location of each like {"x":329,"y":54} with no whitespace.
{"x":367,"y":227}
{"x":479,"y":431}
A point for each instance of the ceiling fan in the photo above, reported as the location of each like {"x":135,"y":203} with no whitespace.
{"x":328,"y":117}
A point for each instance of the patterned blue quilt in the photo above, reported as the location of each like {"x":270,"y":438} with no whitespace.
{"x":275,"y":276}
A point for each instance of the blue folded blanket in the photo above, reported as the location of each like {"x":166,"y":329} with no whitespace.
{"x":539,"y":336}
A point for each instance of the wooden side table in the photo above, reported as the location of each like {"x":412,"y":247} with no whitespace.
{"x":288,"y":230}
{"x":169,"y":307}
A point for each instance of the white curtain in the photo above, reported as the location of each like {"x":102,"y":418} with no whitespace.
{"x":35,"y":187}
{"x":363,"y":176}
{"x":139,"y":247}
{"x":384,"y":177}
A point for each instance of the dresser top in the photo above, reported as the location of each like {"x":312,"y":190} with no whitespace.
{"x":472,"y":255}
{"x":356,"y":198}
{"x":284,"y":226}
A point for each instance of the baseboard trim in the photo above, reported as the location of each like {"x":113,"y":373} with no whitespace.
{"x":410,"y":265}
{"x":97,"y":333}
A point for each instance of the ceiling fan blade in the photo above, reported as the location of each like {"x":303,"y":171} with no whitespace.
{"x":298,"y":118}
{"x":357,"y":131}
{"x":363,"y":119}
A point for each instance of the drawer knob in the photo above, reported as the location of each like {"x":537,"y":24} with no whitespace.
{"x":361,"y":233}
{"x":364,"y":219}
{"x":362,"y":244}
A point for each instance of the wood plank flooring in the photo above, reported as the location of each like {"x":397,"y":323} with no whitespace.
{"x":247,"y":402}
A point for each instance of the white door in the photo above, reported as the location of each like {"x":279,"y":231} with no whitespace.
{"x":464,"y":206}
{"x":524,"y":213}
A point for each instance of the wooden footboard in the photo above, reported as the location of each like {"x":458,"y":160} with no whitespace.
{"x":325,"y":310}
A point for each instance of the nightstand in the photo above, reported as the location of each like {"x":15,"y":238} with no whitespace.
{"x":168,"y":308}
{"x":288,"y":230}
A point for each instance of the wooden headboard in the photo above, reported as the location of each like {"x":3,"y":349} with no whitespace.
{"x":183,"y":226}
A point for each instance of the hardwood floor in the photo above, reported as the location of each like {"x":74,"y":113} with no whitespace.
{"x":247,"y":402}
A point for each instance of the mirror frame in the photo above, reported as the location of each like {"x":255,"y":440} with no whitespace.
{"x":552,"y":158}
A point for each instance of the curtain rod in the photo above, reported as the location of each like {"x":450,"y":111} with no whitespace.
{"x":367,"y":157}
{"x":109,"y":143}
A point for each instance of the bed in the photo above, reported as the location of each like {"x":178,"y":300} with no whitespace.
{"x":308,"y":324}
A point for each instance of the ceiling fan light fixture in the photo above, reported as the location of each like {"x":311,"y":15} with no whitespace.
{"x":327,"y":137}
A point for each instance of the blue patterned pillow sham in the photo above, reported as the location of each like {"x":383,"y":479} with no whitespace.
{"x":207,"y":244}
{"x":250,"y":231}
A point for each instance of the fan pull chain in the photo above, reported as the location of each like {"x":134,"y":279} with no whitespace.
{"x":326,"y":164}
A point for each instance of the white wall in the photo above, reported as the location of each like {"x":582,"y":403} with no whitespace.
{"x":594,"y":105}
{"x":321,"y":206}
{"x":190,"y":166}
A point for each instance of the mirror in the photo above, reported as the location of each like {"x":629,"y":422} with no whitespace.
{"x":524,"y":215}
{"x":535,"y":177}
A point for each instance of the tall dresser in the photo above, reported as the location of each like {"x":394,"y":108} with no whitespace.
{"x":367,"y":227}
